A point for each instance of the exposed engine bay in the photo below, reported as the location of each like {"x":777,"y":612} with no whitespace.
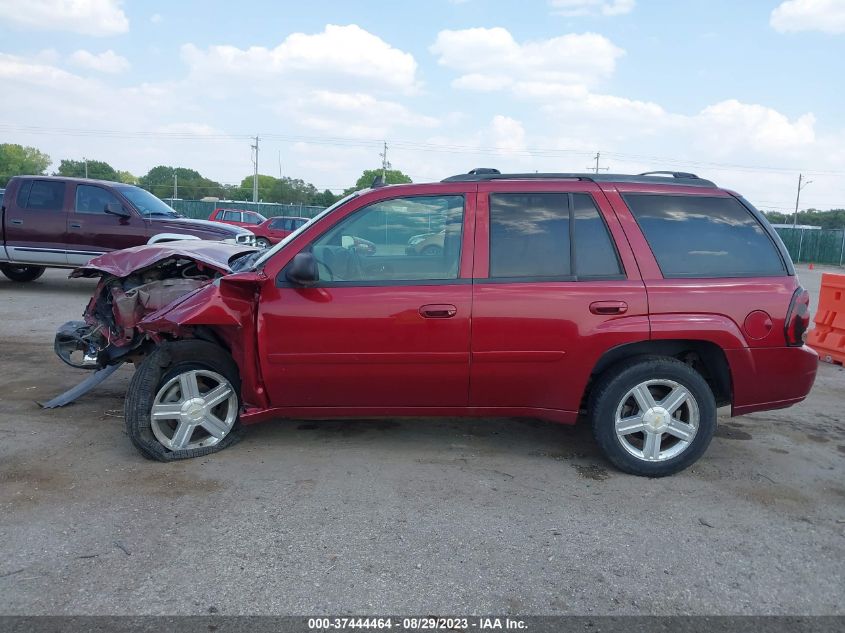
{"x":109,"y":332}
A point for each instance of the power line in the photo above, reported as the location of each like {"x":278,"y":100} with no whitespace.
{"x":537,"y":152}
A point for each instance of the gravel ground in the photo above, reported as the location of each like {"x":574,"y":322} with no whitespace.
{"x":401,"y":516}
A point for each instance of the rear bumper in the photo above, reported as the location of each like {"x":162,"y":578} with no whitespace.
{"x":771,"y":377}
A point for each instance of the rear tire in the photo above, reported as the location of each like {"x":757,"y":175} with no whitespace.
{"x":22,"y":274}
{"x":198,"y":430}
{"x":432,"y":250}
{"x":652,"y":416}
{"x":262,"y":243}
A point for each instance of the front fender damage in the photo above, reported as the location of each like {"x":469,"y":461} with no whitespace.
{"x":174,"y":298}
{"x":225,"y":308}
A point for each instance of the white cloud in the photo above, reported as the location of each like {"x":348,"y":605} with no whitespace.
{"x":508,"y":135}
{"x":156,"y":18}
{"x":107,"y":62}
{"x":731,"y":125}
{"x":827,"y":16}
{"x":572,"y":8}
{"x":491,"y":59}
{"x":88,"y":17}
{"x":339,"y":53}
{"x":355,"y":115}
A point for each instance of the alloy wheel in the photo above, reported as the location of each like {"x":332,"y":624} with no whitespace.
{"x":195,"y":409}
{"x":657,"y":420}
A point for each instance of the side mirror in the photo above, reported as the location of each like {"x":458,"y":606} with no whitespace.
{"x":117,"y":209}
{"x":302,"y":270}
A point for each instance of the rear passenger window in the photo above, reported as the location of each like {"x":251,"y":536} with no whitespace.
{"x":697,"y":236}
{"x":46,"y":195}
{"x":595,"y":254}
{"x":529,"y":235}
{"x":23,"y":194}
{"x":538,"y":235}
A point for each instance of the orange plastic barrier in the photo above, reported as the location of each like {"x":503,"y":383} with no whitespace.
{"x":828,"y":337}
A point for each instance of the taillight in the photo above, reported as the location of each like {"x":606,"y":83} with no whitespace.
{"x":798,"y":318}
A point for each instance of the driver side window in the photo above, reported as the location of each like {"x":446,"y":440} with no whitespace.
{"x":91,"y":199}
{"x":402,"y":239}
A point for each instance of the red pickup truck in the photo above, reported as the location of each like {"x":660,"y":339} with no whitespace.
{"x":52,"y":222}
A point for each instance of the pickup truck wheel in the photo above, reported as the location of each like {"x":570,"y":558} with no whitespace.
{"x":652,"y":416}
{"x":22,"y":273}
{"x":183,"y":401}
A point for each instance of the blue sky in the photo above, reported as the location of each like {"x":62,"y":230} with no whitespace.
{"x":747,"y":93}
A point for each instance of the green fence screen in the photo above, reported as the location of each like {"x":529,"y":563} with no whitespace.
{"x":201,"y":209}
{"x":820,"y":246}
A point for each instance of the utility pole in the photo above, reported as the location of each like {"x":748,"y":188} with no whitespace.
{"x":798,"y":197}
{"x":385,"y":164}
{"x":597,"y":168}
{"x":175,"y":185}
{"x":85,"y":160}
{"x":255,"y":172}
{"x":281,"y":184}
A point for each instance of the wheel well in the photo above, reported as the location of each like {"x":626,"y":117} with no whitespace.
{"x":707,"y":358}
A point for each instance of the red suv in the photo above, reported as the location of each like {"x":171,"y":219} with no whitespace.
{"x":272,"y":231}
{"x":639,"y":303}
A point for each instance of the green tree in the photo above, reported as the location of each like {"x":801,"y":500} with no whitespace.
{"x":190,"y":184}
{"x":325,"y":199}
{"x":127,"y":178}
{"x":96,"y":169}
{"x":832,"y":219}
{"x":281,"y":190}
{"x":17,"y":160}
{"x":391,"y":177}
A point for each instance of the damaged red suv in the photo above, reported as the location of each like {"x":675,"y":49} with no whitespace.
{"x":639,"y":303}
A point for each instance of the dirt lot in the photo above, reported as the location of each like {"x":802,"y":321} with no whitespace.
{"x":448,"y":516}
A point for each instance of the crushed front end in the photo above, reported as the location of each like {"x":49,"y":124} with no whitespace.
{"x":134,"y":284}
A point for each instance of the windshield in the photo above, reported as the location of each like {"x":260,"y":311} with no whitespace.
{"x":146,"y":203}
{"x":258,"y":259}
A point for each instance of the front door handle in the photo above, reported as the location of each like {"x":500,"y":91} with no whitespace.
{"x":608,"y":307}
{"x":16,"y":221}
{"x":438,"y":311}
{"x":74,"y":225}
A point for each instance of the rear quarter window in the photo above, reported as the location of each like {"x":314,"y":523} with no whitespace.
{"x":700,"y":236}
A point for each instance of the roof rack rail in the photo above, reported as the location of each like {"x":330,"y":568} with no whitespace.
{"x":651,"y":178}
{"x":674,"y":174}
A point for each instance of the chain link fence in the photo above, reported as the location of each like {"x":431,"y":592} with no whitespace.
{"x":201,"y":209}
{"x":819,"y":246}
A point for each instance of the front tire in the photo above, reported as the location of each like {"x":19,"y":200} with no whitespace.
{"x":183,"y":401}
{"x":652,"y":416}
{"x":22,"y":274}
{"x":262,"y":242}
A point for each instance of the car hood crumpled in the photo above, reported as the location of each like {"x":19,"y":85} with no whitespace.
{"x":215,"y":255}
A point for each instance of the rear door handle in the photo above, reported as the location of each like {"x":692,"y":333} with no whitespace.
{"x":74,"y":225}
{"x":438,"y":311}
{"x":608,"y":307}
{"x":16,"y":221}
